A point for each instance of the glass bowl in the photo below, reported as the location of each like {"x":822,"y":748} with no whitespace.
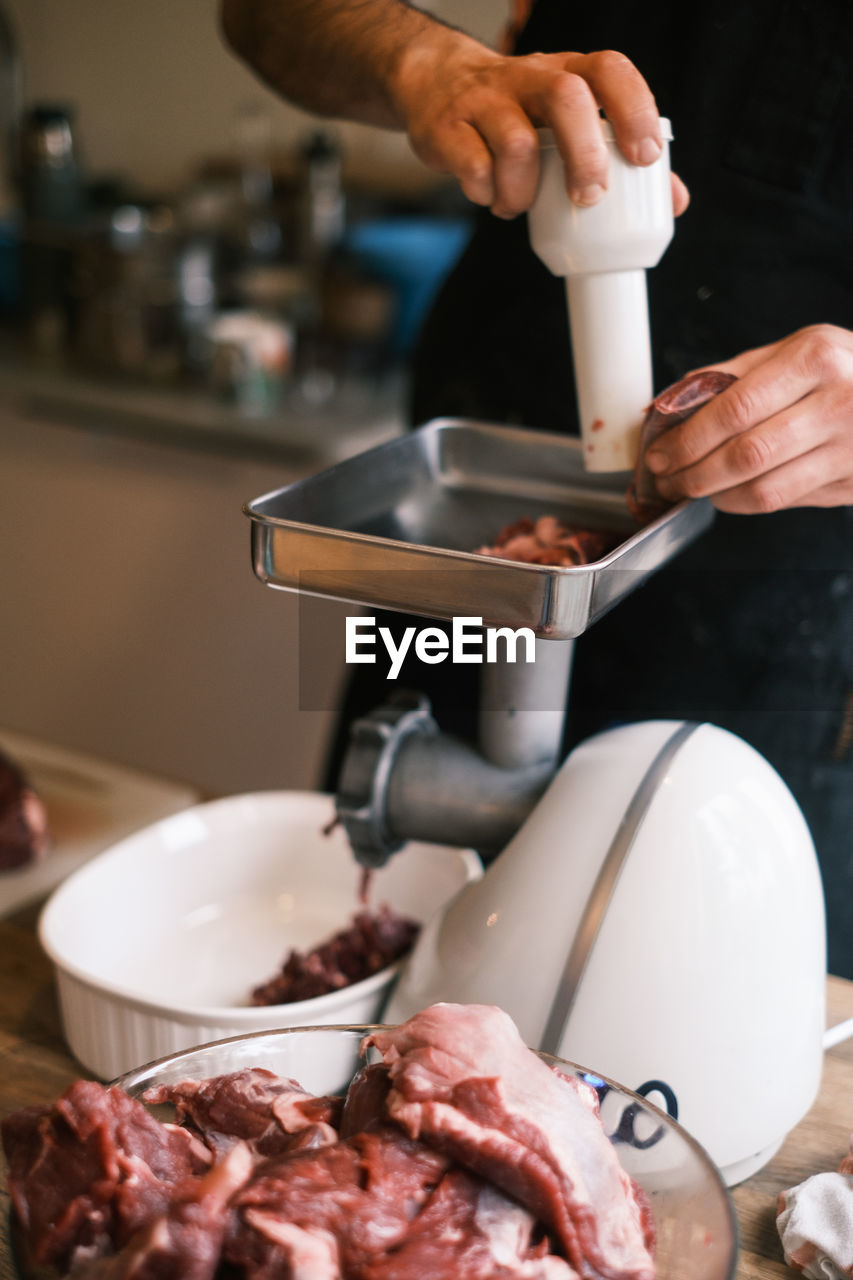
{"x":694,"y":1216}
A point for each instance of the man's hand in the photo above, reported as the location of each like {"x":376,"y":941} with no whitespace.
{"x":781,"y":436}
{"x":469,"y":111}
{"x":474,"y":113}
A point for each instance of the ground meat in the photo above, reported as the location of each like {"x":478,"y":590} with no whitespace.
{"x":24,"y":830}
{"x":549,"y":541}
{"x":373,"y":940}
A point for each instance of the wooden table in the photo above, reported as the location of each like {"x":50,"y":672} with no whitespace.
{"x":35,"y":1067}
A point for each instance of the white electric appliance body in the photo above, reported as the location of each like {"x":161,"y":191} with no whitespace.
{"x":658,"y":917}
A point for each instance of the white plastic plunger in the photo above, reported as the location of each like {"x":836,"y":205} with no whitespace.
{"x":604,"y":250}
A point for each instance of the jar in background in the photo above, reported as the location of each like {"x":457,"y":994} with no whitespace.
{"x":251,"y":357}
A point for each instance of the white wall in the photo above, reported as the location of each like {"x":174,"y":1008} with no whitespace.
{"x":133,"y":627}
{"x":155,"y":88}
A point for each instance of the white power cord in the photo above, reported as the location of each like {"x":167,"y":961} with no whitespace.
{"x":840,"y":1032}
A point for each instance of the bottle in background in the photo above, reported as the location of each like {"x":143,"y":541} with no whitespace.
{"x":52,"y":196}
{"x":10,"y":123}
{"x":321,"y":199}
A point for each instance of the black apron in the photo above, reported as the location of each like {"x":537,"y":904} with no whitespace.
{"x":752,"y":627}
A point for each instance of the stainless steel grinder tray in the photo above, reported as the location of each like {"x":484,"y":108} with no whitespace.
{"x":393,"y":528}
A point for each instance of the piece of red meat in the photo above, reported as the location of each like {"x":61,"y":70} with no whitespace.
{"x":673,"y":406}
{"x":289,"y":1251}
{"x":104,"y":1191}
{"x":24,"y":827}
{"x":365,"y":1106}
{"x":549,"y":541}
{"x":464,"y":1081}
{"x":272,"y":1114}
{"x":469,"y":1229}
{"x":343,"y":1204}
{"x":185,"y":1241}
{"x":88,"y":1172}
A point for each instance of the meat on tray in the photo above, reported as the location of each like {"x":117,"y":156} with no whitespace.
{"x":548,"y":541}
{"x":373,"y":940}
{"x":460,"y":1154}
{"x":24,"y":832}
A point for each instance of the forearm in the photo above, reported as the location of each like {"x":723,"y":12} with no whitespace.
{"x":468,"y":110}
{"x":345,"y":58}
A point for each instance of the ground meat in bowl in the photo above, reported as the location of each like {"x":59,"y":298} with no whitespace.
{"x":373,"y":940}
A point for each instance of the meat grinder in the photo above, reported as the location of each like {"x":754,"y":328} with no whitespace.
{"x":603,"y":253}
{"x":654,"y":907}
{"x":399,"y":766}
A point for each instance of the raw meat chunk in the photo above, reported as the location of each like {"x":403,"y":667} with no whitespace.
{"x":87,"y":1173}
{"x":469,"y":1229}
{"x":361,"y":1194}
{"x":460,"y":1155}
{"x":464,"y":1081}
{"x":185,"y":1241}
{"x":549,"y":541}
{"x":24,"y":828}
{"x":255,"y":1106}
{"x":365,"y":1105}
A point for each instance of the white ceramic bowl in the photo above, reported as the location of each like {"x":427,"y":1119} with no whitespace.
{"x":696,"y":1228}
{"x":159,"y":941}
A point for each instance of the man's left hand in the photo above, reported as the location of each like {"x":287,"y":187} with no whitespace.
{"x":781,"y":436}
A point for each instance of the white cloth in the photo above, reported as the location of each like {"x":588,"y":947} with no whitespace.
{"x":815,"y":1223}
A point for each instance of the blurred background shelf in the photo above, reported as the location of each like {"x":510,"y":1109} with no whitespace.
{"x":361,"y":412}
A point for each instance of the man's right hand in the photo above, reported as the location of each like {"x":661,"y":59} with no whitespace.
{"x":474,"y":113}
{"x":469,"y":111}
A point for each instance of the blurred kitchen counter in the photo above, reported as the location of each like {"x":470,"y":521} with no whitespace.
{"x":37,"y":1067}
{"x":361,"y":412}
